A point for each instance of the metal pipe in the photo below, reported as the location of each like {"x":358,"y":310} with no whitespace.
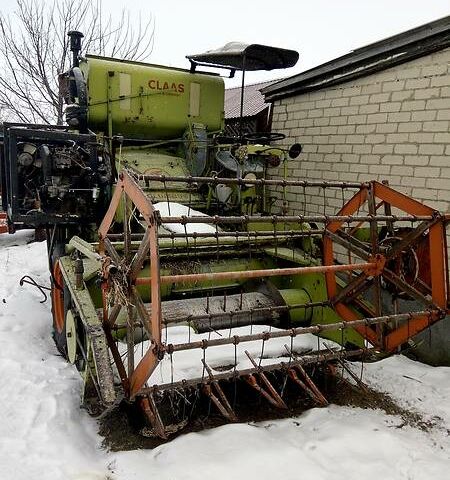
{"x":241,"y":115}
{"x":75,"y":46}
{"x":316,"y":329}
{"x":233,"y":373}
{"x":279,"y":219}
{"x":245,"y":181}
{"x":274,"y":272}
{"x":228,"y":234}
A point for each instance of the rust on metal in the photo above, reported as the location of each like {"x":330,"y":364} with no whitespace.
{"x":310,"y":385}
{"x":299,"y":219}
{"x":246,"y":181}
{"x":435,"y":226}
{"x":58,"y":298}
{"x":3,"y":222}
{"x":222,"y":402}
{"x":149,"y":408}
{"x":271,"y":394}
{"x":233,"y":374}
{"x":247,"y":274}
{"x":369,"y":263}
{"x":130,"y":190}
{"x":431,"y":315}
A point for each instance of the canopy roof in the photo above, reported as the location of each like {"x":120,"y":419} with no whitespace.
{"x":241,"y":56}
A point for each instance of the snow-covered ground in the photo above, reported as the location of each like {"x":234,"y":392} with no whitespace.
{"x":45,"y":436}
{"x":174,"y":209}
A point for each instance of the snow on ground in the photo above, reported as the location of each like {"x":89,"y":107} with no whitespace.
{"x":188,"y":364}
{"x":413,"y":385}
{"x":44,"y":434}
{"x":174,"y":209}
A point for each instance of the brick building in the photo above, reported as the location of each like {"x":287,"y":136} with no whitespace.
{"x":381,"y":112}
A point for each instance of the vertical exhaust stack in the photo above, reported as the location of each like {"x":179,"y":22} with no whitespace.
{"x":75,"y":46}
{"x":74,"y":87}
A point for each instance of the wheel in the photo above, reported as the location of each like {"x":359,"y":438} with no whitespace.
{"x":68,"y":331}
{"x":56,"y":241}
{"x":263,"y":137}
{"x":60,"y":305}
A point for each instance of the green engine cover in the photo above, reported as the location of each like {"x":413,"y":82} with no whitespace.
{"x":145,"y":101}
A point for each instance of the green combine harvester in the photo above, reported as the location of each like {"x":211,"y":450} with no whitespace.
{"x":180,"y":278}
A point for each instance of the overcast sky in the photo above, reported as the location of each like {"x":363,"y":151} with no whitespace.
{"x":319,"y":29}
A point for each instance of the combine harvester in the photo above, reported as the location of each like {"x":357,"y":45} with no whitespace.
{"x":179,"y":278}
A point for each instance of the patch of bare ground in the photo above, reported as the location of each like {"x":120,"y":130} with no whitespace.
{"x":124,"y":428}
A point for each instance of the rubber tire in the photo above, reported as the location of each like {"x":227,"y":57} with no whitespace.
{"x":60,"y":305}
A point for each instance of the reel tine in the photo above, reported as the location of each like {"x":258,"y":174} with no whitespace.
{"x":311,"y":385}
{"x":222,"y":402}
{"x":151,"y":411}
{"x":272,"y":395}
{"x":359,"y":382}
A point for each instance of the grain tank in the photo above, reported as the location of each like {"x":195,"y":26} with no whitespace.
{"x":141,"y":101}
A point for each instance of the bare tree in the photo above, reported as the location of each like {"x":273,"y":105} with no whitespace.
{"x":34,"y":50}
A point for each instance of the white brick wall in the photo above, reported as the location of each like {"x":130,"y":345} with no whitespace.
{"x":393,"y":125}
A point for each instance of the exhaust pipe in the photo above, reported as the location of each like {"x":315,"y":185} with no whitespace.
{"x":75,"y":46}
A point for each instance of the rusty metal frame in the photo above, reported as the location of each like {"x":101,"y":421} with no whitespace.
{"x":374,"y":264}
{"x":309,"y":359}
{"x":128,"y":190}
{"x":274,"y":272}
{"x":3,"y":222}
{"x":438,"y":262}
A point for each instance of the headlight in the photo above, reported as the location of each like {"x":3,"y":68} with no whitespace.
{"x":250,"y":176}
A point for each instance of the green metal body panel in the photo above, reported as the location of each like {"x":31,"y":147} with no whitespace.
{"x":146,"y":101}
{"x":169,"y":291}
{"x":97,"y":360}
{"x":293,"y":289}
{"x":150,"y":161}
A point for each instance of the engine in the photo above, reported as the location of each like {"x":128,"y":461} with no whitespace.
{"x":52,"y":175}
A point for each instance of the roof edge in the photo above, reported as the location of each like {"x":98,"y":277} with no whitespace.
{"x":383,"y":54}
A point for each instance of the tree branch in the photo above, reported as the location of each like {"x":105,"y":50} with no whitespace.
{"x":34,"y":50}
